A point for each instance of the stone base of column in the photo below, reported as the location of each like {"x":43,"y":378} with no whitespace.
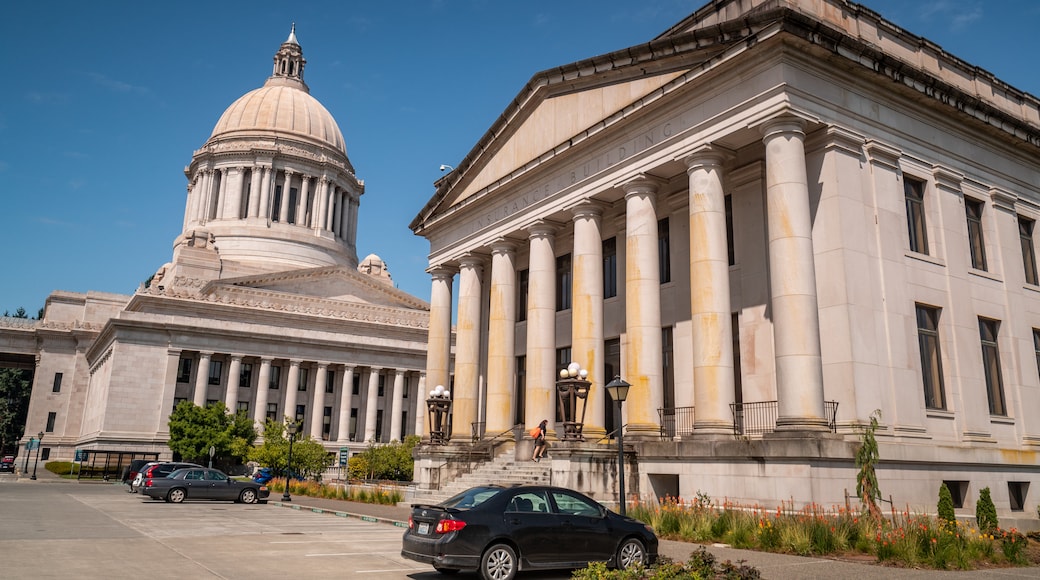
{"x":709,"y":435}
{"x":712,"y":428}
{"x":593,"y":433}
{"x":802,"y":424}
{"x":640,"y":431}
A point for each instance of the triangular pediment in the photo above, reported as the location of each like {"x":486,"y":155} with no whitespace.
{"x":329,"y":283}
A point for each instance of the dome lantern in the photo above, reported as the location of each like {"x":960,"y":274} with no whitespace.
{"x":289,"y":63}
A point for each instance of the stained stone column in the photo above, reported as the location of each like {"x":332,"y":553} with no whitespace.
{"x":301,"y":201}
{"x":642,"y":309}
{"x":265,"y":194}
{"x":291,"y":386}
{"x":318,"y":211}
{"x":420,"y":405}
{"x":345,"y":394}
{"x":318,"y":401}
{"x":541,"y":327}
{"x":254,"y":191}
{"x":438,"y":348}
{"x":587,"y":312}
{"x":467,"y":349}
{"x":398,"y":406}
{"x":330,"y":208}
{"x":371,"y":403}
{"x":263,"y":386}
{"x":711,"y":317}
{"x":792,"y":277}
{"x":233,"y":192}
{"x":234,"y":377}
{"x":206,"y":180}
{"x":501,"y":338}
{"x":221,"y":194}
{"x":202,"y":379}
{"x":283,"y":209}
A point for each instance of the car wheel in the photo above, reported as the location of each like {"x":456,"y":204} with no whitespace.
{"x":630,"y":553}
{"x":247,"y":496}
{"x":446,"y":570}
{"x":176,"y":495}
{"x":498,"y":563}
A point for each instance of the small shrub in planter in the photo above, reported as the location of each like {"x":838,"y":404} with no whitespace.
{"x":986,"y":512}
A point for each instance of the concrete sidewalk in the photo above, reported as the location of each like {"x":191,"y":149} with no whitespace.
{"x":772,"y":566}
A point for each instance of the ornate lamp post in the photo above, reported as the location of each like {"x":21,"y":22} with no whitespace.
{"x":291,"y":429}
{"x":39,"y":439}
{"x":438,"y":406}
{"x":572,"y":387}
{"x":618,"y":390}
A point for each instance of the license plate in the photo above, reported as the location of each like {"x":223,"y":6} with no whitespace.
{"x":424,"y":529}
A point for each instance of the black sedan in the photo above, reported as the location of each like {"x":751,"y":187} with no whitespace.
{"x":499,"y":531}
{"x":203,"y":483}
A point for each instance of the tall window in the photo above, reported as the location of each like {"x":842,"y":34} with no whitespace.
{"x":215,"y":368}
{"x":51,"y":417}
{"x":57,"y":383}
{"x":611,"y":369}
{"x":913,"y":190}
{"x":931,"y":361}
{"x":988,"y":330}
{"x":738,"y":387}
{"x":293,"y":194}
{"x":1036,"y":348}
{"x":355,"y":387}
{"x":382,"y":385}
{"x":353,"y":423}
{"x":301,"y":411}
{"x":729,"y":231}
{"x":520,"y":390}
{"x":664,"y":251}
{"x":184,"y":371}
{"x":276,"y":210}
{"x":330,"y":382}
{"x":522,"y":280}
{"x":1025,"y":234}
{"x":610,"y":267}
{"x":245,"y":376}
{"x":973,"y":211}
{"x":667,"y":367}
{"x":243,"y":407}
{"x":379,"y":425}
{"x":276,"y":377}
{"x":301,"y":385}
{"x":326,"y":424}
{"x":563,"y":282}
{"x":272,"y":411}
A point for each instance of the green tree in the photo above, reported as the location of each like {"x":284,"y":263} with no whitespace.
{"x":15,"y":390}
{"x":945,"y":507}
{"x":986,"y":512}
{"x":309,"y":457}
{"x":194,"y":429}
{"x":390,"y":461}
{"x":867,"y":458}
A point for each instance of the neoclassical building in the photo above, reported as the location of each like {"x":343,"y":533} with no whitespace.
{"x":264,"y":306}
{"x":772,"y":220}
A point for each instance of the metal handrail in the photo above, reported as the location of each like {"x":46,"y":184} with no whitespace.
{"x":676,"y":421}
{"x":760,"y":417}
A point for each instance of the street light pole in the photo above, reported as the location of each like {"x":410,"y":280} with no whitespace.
{"x":618,"y":389}
{"x":39,"y":440}
{"x":291,"y":429}
{"x":28,"y":452}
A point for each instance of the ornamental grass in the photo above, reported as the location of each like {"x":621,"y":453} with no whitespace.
{"x":378,"y":494}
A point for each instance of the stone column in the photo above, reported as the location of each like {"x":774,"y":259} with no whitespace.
{"x":191,"y":207}
{"x":352,"y":212}
{"x":265,"y":193}
{"x":233,"y":191}
{"x":291,"y":386}
{"x":345,"y":394}
{"x":396,"y":432}
{"x":467,"y":349}
{"x":204,"y":195}
{"x":541,"y":327}
{"x":587,"y":313}
{"x":330,"y":208}
{"x":234,"y":377}
{"x":792,"y":279}
{"x":371,"y":404}
{"x":438,"y":348}
{"x":221,"y":194}
{"x":642,"y":309}
{"x":318,"y":401}
{"x":263,"y":386}
{"x":337,"y":213}
{"x":344,"y":219}
{"x":420,"y":405}
{"x":202,"y":379}
{"x":254,"y":191}
{"x":301,"y":201}
{"x":712,"y":325}
{"x":283,"y":209}
{"x":501,"y":339}
{"x":320,"y":196}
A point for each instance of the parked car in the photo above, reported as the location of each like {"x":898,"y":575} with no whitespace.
{"x":499,"y":531}
{"x":155,"y":470}
{"x":7,"y":463}
{"x":203,"y":483}
{"x":133,"y":469}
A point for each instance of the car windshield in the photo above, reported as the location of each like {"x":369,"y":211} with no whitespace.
{"x":471,"y":497}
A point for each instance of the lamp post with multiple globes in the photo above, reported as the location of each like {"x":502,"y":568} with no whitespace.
{"x":438,"y":406}
{"x":573,"y":387}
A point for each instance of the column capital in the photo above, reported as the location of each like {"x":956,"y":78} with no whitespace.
{"x":707,"y":155}
{"x":266,"y":359}
{"x":401,"y":372}
{"x":442,"y":273}
{"x":503,"y":246}
{"x":587,"y":209}
{"x":236,"y":357}
{"x":323,"y":365}
{"x":374,"y":369}
{"x":205,"y":354}
{"x":472,"y":261}
{"x":349,"y":367}
{"x":295,"y":362}
{"x":541,"y":229}
{"x":782,"y":125}
{"x":641,"y":184}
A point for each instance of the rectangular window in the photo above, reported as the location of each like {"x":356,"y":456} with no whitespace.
{"x":1025,"y":234}
{"x":1036,"y":348}
{"x":301,"y":411}
{"x":931,"y":360}
{"x":611,"y":369}
{"x":272,"y":411}
{"x":667,"y":367}
{"x":302,"y":383}
{"x":243,"y":407}
{"x":276,"y":210}
{"x":519,"y":390}
{"x":57,"y":383}
{"x":610,"y":267}
{"x":353,"y":424}
{"x":355,"y":389}
{"x":215,"y":369}
{"x":988,"y":331}
{"x":738,"y":387}
{"x":563,"y":282}
{"x":522,"y":280}
{"x":245,"y":376}
{"x":293,"y":201}
{"x":45,"y":454}
{"x":958,"y":491}
{"x":730,"y":251}
{"x":326,"y":424}
{"x":405,"y":388}
{"x":1017,"y":493}
{"x":381,"y":386}
{"x":330,"y":382}
{"x":184,"y":371}
{"x":379,"y":425}
{"x":973,"y":211}
{"x":51,"y":418}
{"x":276,"y":377}
{"x":913,"y":190}
{"x":664,"y":251}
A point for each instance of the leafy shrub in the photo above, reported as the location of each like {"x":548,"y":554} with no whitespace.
{"x":701,"y":565}
{"x":945,"y":507}
{"x":986,"y":512}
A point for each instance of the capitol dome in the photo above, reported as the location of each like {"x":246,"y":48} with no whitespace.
{"x":282,"y":108}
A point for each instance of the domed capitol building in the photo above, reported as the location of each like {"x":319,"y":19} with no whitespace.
{"x":264,"y":305}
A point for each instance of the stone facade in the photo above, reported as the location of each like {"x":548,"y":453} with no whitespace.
{"x":786,"y":204}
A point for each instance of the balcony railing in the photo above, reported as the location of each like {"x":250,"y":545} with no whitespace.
{"x":750,"y":419}
{"x":676,"y":421}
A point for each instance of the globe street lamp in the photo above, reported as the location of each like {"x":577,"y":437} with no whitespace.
{"x":39,"y":439}
{"x":618,"y":390}
{"x":573,"y":387}
{"x":438,"y":406}
{"x":291,"y":429}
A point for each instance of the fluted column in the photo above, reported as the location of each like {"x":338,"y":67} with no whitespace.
{"x":352,"y":212}
{"x":265,"y":194}
{"x":291,"y":386}
{"x":263,"y":386}
{"x":191,"y":208}
{"x":501,"y":338}
{"x":254,"y":191}
{"x":438,"y":347}
{"x":467,"y":349}
{"x":344,"y":220}
{"x":396,"y":433}
{"x":420,"y":405}
{"x":283,"y":209}
{"x":222,"y":193}
{"x":318,"y":212}
{"x":206,"y":178}
{"x":337,"y":213}
{"x":345,"y":394}
{"x":643,"y":308}
{"x":587,"y":312}
{"x":301,"y":202}
{"x":202,"y":379}
{"x":371,"y":404}
{"x":234,"y":377}
{"x":318,"y":401}
{"x":541,"y":327}
{"x":712,"y":326}
{"x":792,"y":277}
{"x":330,"y":208}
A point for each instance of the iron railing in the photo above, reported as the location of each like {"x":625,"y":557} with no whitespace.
{"x":750,"y":419}
{"x":676,"y":421}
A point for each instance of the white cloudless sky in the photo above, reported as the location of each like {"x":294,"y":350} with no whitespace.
{"x":103,"y":103}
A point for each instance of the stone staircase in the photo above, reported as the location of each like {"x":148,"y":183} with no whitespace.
{"x":503,"y":470}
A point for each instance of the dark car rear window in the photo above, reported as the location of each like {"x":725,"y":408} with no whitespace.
{"x":472,"y":497}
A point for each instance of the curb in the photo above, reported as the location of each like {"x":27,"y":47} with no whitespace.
{"x":340,"y":513}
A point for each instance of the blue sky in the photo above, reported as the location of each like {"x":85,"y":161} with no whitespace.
{"x":103,"y":104}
